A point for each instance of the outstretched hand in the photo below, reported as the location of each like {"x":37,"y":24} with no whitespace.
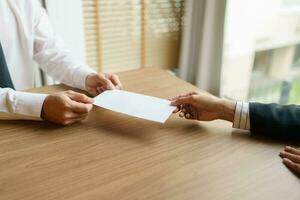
{"x":203,"y":106}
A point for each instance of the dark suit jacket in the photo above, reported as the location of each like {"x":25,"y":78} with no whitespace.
{"x":275,"y":120}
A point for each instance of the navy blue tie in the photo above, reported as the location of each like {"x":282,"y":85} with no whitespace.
{"x":5,"y":79}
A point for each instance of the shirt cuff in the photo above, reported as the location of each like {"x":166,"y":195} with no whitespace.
{"x":80,"y":75}
{"x":28,"y":104}
{"x":242,"y":116}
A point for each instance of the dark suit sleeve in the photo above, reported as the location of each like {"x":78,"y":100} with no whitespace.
{"x":275,"y":120}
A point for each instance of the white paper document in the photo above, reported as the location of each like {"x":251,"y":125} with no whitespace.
{"x":137,"y":105}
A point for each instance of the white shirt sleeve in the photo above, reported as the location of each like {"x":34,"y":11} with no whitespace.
{"x":52,"y":55}
{"x":242,"y":116}
{"x":20,"y":105}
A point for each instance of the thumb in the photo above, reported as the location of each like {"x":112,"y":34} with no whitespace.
{"x":78,"y":97}
{"x":80,"y":108}
{"x":105,"y":82}
{"x":182,"y":100}
{"x":109,"y":85}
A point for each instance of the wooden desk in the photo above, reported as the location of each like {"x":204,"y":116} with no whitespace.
{"x":113,"y":156}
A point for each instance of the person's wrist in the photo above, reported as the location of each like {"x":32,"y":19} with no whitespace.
{"x":43,"y":114}
{"x":226,"y":110}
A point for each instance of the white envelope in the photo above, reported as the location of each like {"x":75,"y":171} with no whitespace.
{"x":137,"y":105}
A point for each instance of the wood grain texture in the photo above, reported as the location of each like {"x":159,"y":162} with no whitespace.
{"x":113,"y":156}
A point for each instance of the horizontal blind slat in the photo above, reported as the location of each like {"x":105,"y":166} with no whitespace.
{"x":117,"y":26}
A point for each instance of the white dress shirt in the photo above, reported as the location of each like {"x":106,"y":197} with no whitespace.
{"x":242,"y":116}
{"x":26,"y":36}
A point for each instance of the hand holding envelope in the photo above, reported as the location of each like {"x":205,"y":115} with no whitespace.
{"x":137,"y":105}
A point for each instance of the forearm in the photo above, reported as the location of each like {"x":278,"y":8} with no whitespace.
{"x":227,"y":109}
{"x":20,"y":105}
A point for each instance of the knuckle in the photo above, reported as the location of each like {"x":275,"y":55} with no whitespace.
{"x":64,"y":116}
{"x":101,"y":76}
{"x":65,"y":105}
{"x":83,"y":96}
{"x":65,"y":123}
{"x":85,"y":109}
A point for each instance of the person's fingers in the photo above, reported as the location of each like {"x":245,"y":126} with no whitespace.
{"x":187,"y":115}
{"x":190,"y":112}
{"x":72,"y":121}
{"x":76,"y":116}
{"x":182,"y":95}
{"x":177,"y":97}
{"x":186,"y":111}
{"x":196,"y":113}
{"x":93,"y":92}
{"x":292,"y":150}
{"x":177,"y":109}
{"x":105,"y":82}
{"x":100,"y":89}
{"x":116,"y":81}
{"x":80,"y":108}
{"x":182,"y":100}
{"x":70,"y":116}
{"x":192,"y":93}
{"x":290,"y":156}
{"x":289,"y":163}
{"x":181,"y":114}
{"x":78,"y":97}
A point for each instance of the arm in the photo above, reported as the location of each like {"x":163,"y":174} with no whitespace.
{"x":54,"y":58}
{"x":262,"y":119}
{"x":65,"y":107}
{"x":265,"y":119}
{"x":275,"y":120}
{"x":62,"y":108}
{"x":52,"y":55}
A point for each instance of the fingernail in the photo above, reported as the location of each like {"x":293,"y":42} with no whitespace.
{"x":288,"y":147}
{"x":284,"y":160}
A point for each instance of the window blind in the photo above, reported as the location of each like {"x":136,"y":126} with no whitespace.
{"x":130,"y":34}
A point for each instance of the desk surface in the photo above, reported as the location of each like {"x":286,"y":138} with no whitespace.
{"x":113,"y":156}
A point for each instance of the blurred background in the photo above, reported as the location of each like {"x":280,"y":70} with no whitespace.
{"x":244,"y":50}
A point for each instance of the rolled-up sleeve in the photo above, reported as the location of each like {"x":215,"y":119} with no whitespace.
{"x":20,"y":105}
